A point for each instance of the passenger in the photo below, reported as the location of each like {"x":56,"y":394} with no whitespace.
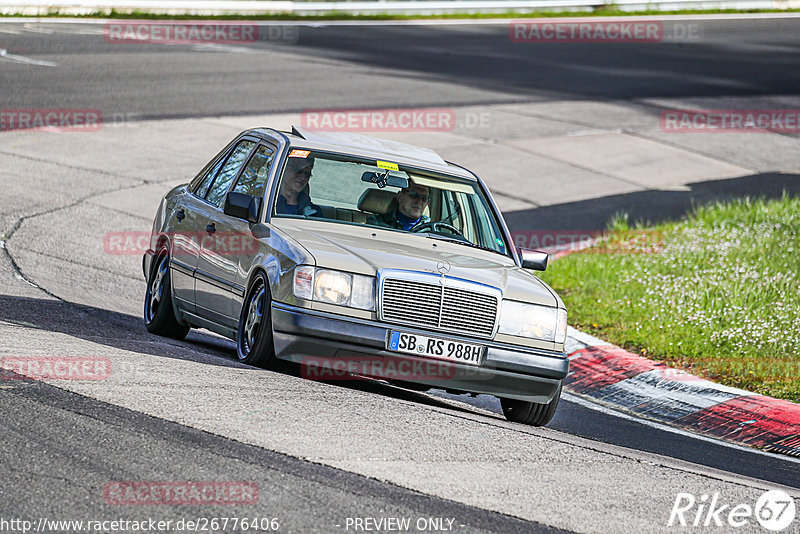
{"x":407,"y":213}
{"x":293,"y":197}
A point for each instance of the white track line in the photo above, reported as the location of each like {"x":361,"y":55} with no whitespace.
{"x":428,"y":22}
{"x":21,"y":59}
{"x":666,"y":428}
{"x":30,"y":27}
{"x":571,"y":397}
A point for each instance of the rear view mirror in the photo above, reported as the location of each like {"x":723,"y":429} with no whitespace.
{"x":384,"y":179}
{"x":242,"y":206}
{"x":533,"y":259}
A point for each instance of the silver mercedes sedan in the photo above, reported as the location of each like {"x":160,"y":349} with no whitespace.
{"x":358,"y":257}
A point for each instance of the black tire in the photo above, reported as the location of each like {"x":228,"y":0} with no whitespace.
{"x":159,"y":315}
{"x":530,"y":413}
{"x":254,"y":344}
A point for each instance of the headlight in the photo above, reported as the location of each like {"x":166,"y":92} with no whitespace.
{"x":334,"y":287}
{"x":533,"y":321}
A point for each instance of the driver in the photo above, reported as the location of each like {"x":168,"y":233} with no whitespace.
{"x":411,"y":202}
{"x":293,"y":198}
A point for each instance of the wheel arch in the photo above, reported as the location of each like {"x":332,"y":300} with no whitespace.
{"x":163,"y":242}
{"x":270,"y":267}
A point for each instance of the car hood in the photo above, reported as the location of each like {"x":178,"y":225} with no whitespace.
{"x":364,"y":250}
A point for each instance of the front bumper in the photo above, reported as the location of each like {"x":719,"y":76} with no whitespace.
{"x":312,"y":337}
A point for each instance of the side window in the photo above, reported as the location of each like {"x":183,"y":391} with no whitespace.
{"x":201,"y":188}
{"x":228,"y":172}
{"x":488,"y":231}
{"x":195,"y":183}
{"x":254,"y":177}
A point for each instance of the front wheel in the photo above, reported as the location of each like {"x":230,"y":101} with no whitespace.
{"x":159,"y":316}
{"x":254,"y":343}
{"x":530,"y":413}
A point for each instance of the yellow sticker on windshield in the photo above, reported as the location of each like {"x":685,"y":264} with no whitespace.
{"x":387,"y":165}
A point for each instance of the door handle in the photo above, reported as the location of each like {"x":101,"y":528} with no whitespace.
{"x":180,"y":215}
{"x":210,"y":228}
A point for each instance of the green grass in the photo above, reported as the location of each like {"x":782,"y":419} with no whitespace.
{"x":717,"y":294}
{"x":333,"y":15}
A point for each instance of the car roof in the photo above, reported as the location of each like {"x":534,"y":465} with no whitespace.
{"x":372,"y":147}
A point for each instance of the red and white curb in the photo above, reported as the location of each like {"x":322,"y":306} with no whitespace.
{"x":621,"y":380}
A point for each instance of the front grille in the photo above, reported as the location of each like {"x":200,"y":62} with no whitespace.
{"x":454,"y":309}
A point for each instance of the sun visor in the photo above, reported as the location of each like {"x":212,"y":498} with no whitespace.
{"x":442,"y":184}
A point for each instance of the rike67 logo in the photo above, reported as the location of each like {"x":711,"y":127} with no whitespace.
{"x":775,"y":510}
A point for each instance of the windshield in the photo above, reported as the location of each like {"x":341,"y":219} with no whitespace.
{"x":382,"y":194}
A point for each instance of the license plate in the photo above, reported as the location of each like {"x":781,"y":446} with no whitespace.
{"x":432,"y":347}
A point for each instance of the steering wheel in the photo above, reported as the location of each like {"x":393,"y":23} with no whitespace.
{"x":435,"y":226}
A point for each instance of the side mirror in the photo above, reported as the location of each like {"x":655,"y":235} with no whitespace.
{"x":260,"y":231}
{"x":242,"y":206}
{"x":533,"y":259}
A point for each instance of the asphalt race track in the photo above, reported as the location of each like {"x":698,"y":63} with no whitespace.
{"x":325,"y":454}
{"x":390,"y":66}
